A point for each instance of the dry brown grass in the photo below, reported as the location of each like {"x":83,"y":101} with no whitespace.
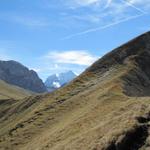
{"x":8,"y":91}
{"x":100,"y":110}
{"x":81,"y":116}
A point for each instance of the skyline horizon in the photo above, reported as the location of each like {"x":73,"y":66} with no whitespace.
{"x":65,"y":71}
{"x":52,"y":37}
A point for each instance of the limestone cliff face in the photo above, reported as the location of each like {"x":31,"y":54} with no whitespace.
{"x":15,"y":73}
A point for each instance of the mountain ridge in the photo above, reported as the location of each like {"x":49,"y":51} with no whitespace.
{"x":133,"y":54}
{"x":17,"y":74}
{"x":112,"y":57}
{"x":93,"y":112}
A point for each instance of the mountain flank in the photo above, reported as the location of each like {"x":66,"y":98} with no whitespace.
{"x":15,"y":73}
{"x":105,"y":108}
{"x":8,"y":91}
{"x":136,"y":55}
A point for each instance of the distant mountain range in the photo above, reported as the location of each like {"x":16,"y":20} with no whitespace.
{"x":56,"y":81}
{"x":15,"y":73}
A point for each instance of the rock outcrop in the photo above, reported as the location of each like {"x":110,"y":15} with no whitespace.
{"x":15,"y":73}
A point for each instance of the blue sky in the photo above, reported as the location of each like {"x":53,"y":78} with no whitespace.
{"x":52,"y":36}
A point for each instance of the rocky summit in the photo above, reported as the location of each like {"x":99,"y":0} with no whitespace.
{"x":15,"y":73}
{"x":56,"y":81}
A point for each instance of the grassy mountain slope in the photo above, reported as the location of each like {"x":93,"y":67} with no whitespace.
{"x":105,"y":108}
{"x":8,"y":91}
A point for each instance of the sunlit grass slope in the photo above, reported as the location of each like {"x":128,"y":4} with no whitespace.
{"x":105,"y":108}
{"x":8,"y":91}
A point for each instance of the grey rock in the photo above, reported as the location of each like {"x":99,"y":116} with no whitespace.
{"x":15,"y":73}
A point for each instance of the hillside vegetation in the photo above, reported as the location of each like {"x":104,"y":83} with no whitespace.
{"x":105,"y":108}
{"x":8,"y":91}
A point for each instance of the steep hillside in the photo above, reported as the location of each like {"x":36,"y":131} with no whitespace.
{"x":105,"y":108}
{"x":8,"y":91}
{"x":135,"y":55}
{"x":15,"y":73}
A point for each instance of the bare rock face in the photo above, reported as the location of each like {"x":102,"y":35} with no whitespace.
{"x":15,"y":73}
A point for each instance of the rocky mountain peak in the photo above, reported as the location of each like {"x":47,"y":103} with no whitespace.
{"x":58,"y":80}
{"x":15,"y":73}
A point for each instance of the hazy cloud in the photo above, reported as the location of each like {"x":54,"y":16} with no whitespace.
{"x":71,"y":57}
{"x":109,"y":13}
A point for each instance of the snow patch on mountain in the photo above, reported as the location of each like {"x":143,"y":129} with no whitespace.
{"x":56,"y":81}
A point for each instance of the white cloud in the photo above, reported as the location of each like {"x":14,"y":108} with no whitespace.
{"x":72,"y":57}
{"x":141,"y":2}
{"x":36,"y":69}
{"x":87,"y":3}
{"x":106,"y":3}
{"x":133,"y":5}
{"x":107,"y":13}
{"x":101,"y":27}
{"x":144,"y":4}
